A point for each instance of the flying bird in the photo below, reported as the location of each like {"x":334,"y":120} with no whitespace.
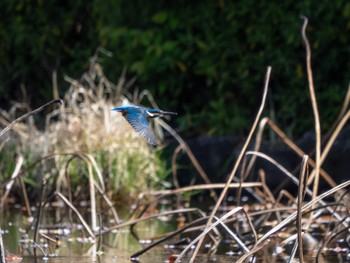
{"x":139,"y":117}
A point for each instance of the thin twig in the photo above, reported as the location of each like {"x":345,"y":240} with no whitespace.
{"x":178,"y":231}
{"x":206,"y":230}
{"x":340,"y":115}
{"x":88,"y":229}
{"x":109,"y":202}
{"x":174,"y":173}
{"x":16,"y":172}
{"x":190,"y":154}
{"x":23,"y":117}
{"x":40,"y":208}
{"x":92,"y":197}
{"x":289,"y":143}
{"x":25,"y":195}
{"x":253,"y":251}
{"x":132,"y":222}
{"x":314,"y":108}
{"x":301,"y":194}
{"x":330,"y":236}
{"x":97,"y":170}
{"x":2,"y":249}
{"x":292,"y":217}
{"x":200,"y":187}
{"x":331,"y":140}
{"x":224,"y":191}
{"x":258,"y":140}
{"x":173,"y":166}
{"x":292,"y":177}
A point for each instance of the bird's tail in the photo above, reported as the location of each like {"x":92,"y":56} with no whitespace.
{"x":168,"y":113}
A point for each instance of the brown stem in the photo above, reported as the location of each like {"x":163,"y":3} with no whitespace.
{"x":23,"y":117}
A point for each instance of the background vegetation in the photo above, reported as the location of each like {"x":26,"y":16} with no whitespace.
{"x":204,"y":59}
{"x":82,"y":139}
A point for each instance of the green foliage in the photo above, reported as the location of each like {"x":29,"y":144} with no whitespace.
{"x":38,"y":37}
{"x":207,"y":59}
{"x":204,"y":59}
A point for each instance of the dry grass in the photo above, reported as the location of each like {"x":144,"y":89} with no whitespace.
{"x":86,"y":125}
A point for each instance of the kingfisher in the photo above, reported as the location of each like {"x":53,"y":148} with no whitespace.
{"x":138,"y":117}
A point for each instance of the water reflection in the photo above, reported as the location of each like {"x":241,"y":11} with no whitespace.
{"x":113,"y":247}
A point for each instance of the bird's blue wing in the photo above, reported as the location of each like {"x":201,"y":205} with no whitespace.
{"x":139,"y":122}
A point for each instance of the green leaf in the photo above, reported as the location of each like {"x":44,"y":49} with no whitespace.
{"x":160,"y":17}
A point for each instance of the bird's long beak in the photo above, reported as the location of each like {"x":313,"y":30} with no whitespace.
{"x":168,"y":113}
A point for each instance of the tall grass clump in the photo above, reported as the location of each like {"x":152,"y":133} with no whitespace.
{"x":83,"y":126}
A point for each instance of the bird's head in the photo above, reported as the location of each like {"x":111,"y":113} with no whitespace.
{"x":154,"y":113}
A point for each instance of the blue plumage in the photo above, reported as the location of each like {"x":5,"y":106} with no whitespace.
{"x":139,"y":117}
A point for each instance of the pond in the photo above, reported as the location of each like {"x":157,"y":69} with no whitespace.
{"x":115,"y":246}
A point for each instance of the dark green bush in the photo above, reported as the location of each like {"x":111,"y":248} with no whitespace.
{"x":204,"y":59}
{"x":38,"y":37}
{"x":207,"y":59}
